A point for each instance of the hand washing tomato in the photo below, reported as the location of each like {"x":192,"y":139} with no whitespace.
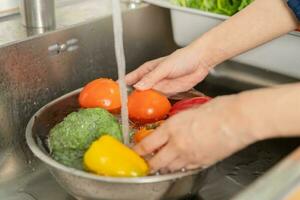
{"x":188,"y":103}
{"x":103,"y":93}
{"x":109,"y":157}
{"x":145,"y":130}
{"x":147,"y":106}
{"x":141,"y":134}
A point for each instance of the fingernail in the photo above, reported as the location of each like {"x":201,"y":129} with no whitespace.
{"x":183,"y":169}
{"x":154,"y":172}
{"x":140,"y":85}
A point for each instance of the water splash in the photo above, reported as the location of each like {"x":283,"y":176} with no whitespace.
{"x":120,"y":56}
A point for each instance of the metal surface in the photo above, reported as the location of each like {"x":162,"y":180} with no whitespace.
{"x":32,"y":75}
{"x":85,"y":185}
{"x":68,"y":12}
{"x":244,"y":77}
{"x":38,"y":13}
{"x":283,"y":177}
{"x":237,"y":172}
{"x":132,"y":4}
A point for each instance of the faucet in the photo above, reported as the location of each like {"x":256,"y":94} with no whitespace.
{"x":38,"y":14}
{"x":134,"y":3}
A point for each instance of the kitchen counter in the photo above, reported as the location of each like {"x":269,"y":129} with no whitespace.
{"x":68,"y":13}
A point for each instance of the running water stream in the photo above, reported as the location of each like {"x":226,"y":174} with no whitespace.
{"x":119,"y":52}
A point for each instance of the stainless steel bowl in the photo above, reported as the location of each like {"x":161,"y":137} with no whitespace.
{"x":83,"y":185}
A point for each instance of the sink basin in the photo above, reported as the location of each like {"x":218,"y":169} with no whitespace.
{"x":33,"y":74}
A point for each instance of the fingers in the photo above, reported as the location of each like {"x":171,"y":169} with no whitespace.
{"x":152,"y":142}
{"x":177,"y":164}
{"x":156,"y":75}
{"x":136,"y":75}
{"x":180,"y":84}
{"x":195,"y":166}
{"x":163,"y":158}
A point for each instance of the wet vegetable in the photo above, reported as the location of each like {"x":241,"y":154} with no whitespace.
{"x":141,"y":134}
{"x":244,"y":4}
{"x":72,"y":137}
{"x":102,"y":93}
{"x":225,"y":7}
{"x":188,"y":103}
{"x":109,"y":157}
{"x":147,"y":106}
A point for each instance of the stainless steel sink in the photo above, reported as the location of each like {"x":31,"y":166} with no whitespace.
{"x":36,"y":70}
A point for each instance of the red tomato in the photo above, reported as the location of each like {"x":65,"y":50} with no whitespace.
{"x":141,"y":134}
{"x":102,"y":93}
{"x":147,"y":106}
{"x":188,"y":103}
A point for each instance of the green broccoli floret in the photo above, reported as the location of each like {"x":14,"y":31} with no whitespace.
{"x":70,"y":139}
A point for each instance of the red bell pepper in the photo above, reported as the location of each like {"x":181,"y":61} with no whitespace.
{"x":188,"y":103}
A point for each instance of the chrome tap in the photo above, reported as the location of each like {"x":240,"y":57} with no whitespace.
{"x":38,"y":13}
{"x":134,"y":3}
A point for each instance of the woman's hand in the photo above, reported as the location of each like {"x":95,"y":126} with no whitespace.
{"x":203,"y":136}
{"x":175,"y":73}
{"x":188,"y":66}
{"x":198,"y":137}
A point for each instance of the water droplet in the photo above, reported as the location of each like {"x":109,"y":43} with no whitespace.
{"x":257,"y":173}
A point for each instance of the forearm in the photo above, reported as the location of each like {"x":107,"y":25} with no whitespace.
{"x":272,"y":112}
{"x":260,"y":22}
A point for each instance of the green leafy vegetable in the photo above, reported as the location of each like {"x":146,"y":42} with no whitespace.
{"x":225,"y":7}
{"x":245,"y":3}
{"x":228,"y":7}
{"x":72,"y":137}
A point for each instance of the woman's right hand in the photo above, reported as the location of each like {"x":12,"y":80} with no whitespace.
{"x":172,"y":74}
{"x":199,"y":137}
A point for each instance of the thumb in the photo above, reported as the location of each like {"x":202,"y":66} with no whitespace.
{"x":152,"y":78}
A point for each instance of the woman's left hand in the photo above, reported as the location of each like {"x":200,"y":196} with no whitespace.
{"x":198,"y":137}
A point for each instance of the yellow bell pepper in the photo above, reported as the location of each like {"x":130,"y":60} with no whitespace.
{"x":109,"y":157}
